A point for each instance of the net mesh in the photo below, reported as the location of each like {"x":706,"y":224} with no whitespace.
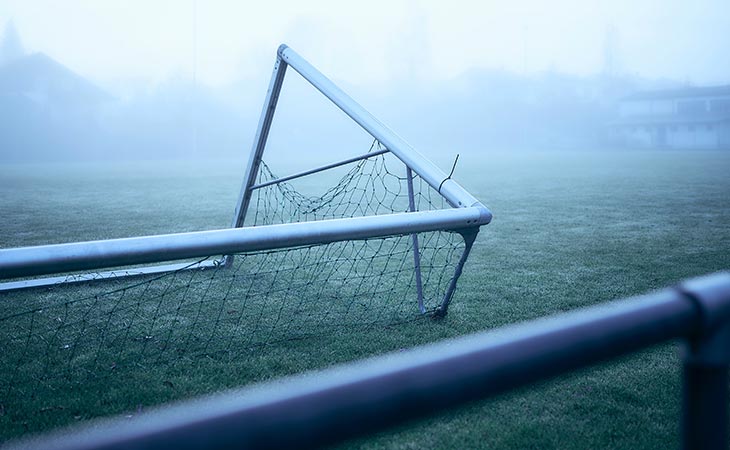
{"x":65,"y":335}
{"x":70,"y":333}
{"x":373,"y":186}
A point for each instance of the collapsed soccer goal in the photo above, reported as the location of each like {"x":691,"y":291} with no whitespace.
{"x":385,"y":243}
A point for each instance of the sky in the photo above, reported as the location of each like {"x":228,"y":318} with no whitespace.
{"x":220,"y":42}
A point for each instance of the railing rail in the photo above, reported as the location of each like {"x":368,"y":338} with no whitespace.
{"x":364,"y":397}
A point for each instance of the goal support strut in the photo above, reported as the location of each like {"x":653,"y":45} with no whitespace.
{"x":454,"y":194}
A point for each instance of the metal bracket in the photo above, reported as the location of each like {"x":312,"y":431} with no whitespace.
{"x":711,"y":347}
{"x":469,"y":235}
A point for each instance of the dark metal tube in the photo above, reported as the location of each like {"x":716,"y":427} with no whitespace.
{"x":705,"y":407}
{"x":358,"y":399}
{"x":706,"y":361}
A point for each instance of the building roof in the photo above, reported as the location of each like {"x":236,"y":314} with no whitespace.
{"x":41,"y":76}
{"x":671,"y":120}
{"x":706,"y":91}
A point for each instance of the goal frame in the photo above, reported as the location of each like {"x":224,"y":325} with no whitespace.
{"x":452,"y":192}
{"x":414,"y":162}
{"x":465,"y":216}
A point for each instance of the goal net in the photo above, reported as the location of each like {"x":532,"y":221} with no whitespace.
{"x":384,"y":244}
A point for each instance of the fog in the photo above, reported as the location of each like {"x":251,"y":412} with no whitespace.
{"x":131,"y":80}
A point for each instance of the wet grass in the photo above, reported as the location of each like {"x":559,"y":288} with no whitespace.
{"x":570,"y":230}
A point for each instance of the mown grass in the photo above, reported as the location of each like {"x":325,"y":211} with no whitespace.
{"x":570,"y":230}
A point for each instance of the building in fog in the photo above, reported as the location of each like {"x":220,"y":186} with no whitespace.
{"x":686,"y":118}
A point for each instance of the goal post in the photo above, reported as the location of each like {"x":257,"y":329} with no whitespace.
{"x":459,"y":212}
{"x":447,"y":187}
{"x":381,"y":241}
{"x":452,"y":192}
{"x":260,"y":138}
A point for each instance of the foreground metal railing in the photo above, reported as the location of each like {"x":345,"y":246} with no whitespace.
{"x":354,"y":400}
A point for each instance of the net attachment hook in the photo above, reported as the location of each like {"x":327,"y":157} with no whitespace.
{"x":453,"y":167}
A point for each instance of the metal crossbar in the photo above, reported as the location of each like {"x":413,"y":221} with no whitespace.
{"x":48,"y":259}
{"x":456,"y":195}
{"x":365,"y":397}
{"x":318,"y":169}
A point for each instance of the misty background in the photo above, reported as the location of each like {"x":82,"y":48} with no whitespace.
{"x":87,"y":81}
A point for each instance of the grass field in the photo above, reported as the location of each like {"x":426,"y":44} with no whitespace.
{"x":569,"y":230}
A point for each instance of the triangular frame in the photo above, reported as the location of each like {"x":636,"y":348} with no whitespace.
{"x":452,"y":192}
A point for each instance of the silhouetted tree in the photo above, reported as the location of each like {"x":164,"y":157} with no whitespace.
{"x":11,"y":47}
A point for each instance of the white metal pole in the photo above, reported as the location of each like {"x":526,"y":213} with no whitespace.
{"x":59,"y":258}
{"x":450,"y":189}
{"x":262,"y":134}
{"x":414,"y":238}
{"x":254,"y":160}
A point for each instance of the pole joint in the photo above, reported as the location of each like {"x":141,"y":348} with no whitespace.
{"x":706,"y":360}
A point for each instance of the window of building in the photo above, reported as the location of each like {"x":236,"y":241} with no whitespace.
{"x":720,"y":105}
{"x":691,"y":107}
